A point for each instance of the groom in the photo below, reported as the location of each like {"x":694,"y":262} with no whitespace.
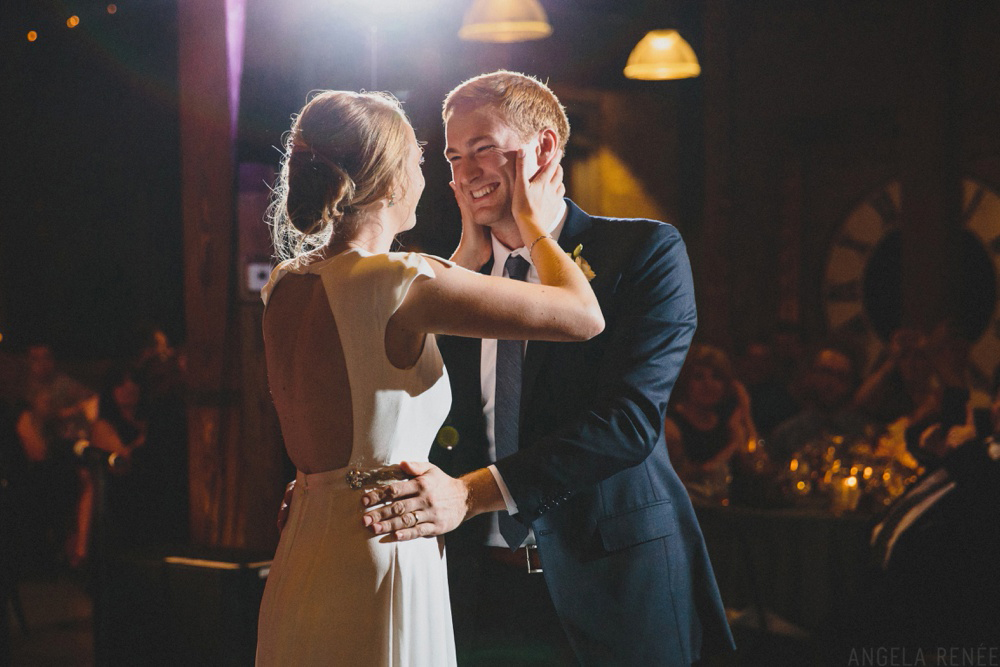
{"x":577,"y":533}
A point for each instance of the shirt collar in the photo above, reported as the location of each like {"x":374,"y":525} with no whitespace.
{"x":502,"y":252}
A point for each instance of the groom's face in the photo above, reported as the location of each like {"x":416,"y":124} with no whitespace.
{"x":481,"y":148}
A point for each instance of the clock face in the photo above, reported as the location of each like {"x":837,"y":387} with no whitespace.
{"x":862,"y":288}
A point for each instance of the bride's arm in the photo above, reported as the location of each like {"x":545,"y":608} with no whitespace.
{"x":460,"y":302}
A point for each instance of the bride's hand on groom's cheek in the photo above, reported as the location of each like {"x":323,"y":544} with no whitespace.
{"x":432,"y":503}
{"x":474,"y":247}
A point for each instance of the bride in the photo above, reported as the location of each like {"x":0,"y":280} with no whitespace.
{"x":357,"y":379}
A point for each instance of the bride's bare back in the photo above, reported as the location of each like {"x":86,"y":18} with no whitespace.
{"x":308,"y":375}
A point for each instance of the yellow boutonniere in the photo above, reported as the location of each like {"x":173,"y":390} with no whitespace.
{"x":582,"y":263}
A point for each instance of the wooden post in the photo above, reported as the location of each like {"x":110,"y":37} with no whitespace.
{"x":207,"y":209}
{"x":234,"y":450}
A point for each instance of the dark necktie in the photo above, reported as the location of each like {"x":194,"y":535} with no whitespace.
{"x":507,"y":405}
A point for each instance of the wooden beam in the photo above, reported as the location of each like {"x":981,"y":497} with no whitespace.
{"x":207,"y":197}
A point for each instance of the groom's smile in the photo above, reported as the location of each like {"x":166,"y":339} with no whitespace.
{"x":482,"y":192}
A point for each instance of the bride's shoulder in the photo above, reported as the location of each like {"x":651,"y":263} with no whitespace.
{"x":277,"y":273}
{"x":421,"y":262}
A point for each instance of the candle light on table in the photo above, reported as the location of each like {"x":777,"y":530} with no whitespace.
{"x":846,"y":494}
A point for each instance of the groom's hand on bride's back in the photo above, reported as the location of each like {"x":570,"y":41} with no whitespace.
{"x":430,"y":504}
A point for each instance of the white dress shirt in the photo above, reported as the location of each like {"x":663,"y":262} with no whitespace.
{"x":488,"y":373}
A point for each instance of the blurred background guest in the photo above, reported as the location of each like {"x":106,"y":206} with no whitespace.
{"x":961,"y":411}
{"x":903,"y":383}
{"x":159,"y":368}
{"x":827,"y":389}
{"x":708,"y":423}
{"x":771,"y":400}
{"x":937,"y":548}
{"x":904,"y":388}
{"x":73,"y":405}
{"x":119,"y":431}
{"x":57,"y":411}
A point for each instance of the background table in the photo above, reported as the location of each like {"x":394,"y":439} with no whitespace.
{"x":807,"y":567}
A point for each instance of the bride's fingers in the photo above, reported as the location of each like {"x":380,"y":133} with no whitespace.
{"x":521,"y":175}
{"x":463,"y":205}
{"x":551,"y":173}
{"x":553,"y":170}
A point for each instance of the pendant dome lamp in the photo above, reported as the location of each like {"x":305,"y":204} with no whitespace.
{"x":505,"y":21}
{"x":662,"y":55}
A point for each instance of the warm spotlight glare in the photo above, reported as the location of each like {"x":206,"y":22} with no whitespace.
{"x":382,"y":9}
{"x":851,"y":481}
{"x":32,"y":35}
{"x":505,"y":21}
{"x":661,"y":55}
{"x":1,"y":337}
{"x":72,"y":21}
{"x":112,"y":9}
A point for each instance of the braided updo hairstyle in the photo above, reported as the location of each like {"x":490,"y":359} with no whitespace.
{"x":345,"y":150}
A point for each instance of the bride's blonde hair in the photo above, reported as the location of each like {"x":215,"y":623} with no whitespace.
{"x":345,"y":150}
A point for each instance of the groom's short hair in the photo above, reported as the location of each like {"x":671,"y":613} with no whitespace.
{"x":524,"y":102}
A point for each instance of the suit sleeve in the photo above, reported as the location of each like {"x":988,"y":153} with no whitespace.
{"x":655,"y":319}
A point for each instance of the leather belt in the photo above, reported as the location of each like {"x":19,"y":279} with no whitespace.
{"x":526,"y":557}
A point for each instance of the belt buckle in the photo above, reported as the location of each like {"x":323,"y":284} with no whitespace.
{"x":527,"y":558}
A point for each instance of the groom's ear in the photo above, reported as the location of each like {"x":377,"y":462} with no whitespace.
{"x":548,"y":146}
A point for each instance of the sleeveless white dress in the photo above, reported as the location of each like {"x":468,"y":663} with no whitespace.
{"x":337,"y":594}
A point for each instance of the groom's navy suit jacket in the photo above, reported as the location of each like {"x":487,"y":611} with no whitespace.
{"x":623,"y":556}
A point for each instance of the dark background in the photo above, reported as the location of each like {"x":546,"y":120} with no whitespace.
{"x":91,"y":230}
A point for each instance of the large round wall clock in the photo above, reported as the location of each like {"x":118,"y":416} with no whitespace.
{"x":862,"y":290}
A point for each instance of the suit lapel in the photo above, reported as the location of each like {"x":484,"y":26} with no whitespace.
{"x":577,"y":223}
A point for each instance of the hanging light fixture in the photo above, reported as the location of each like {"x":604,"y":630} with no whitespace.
{"x":505,"y":21}
{"x":661,"y":55}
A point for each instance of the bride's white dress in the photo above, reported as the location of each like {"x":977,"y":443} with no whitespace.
{"x":337,"y":594}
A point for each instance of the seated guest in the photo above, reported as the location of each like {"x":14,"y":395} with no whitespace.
{"x":36,"y":428}
{"x":827,"y":390}
{"x":73,"y":405}
{"x":118,"y":429}
{"x":938,"y":549}
{"x":121,"y":432}
{"x":770,"y":396}
{"x":50,"y":483}
{"x":61,"y":413}
{"x":708,"y":422}
{"x":162,"y":463}
{"x":962,"y":411}
{"x":903,"y":384}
